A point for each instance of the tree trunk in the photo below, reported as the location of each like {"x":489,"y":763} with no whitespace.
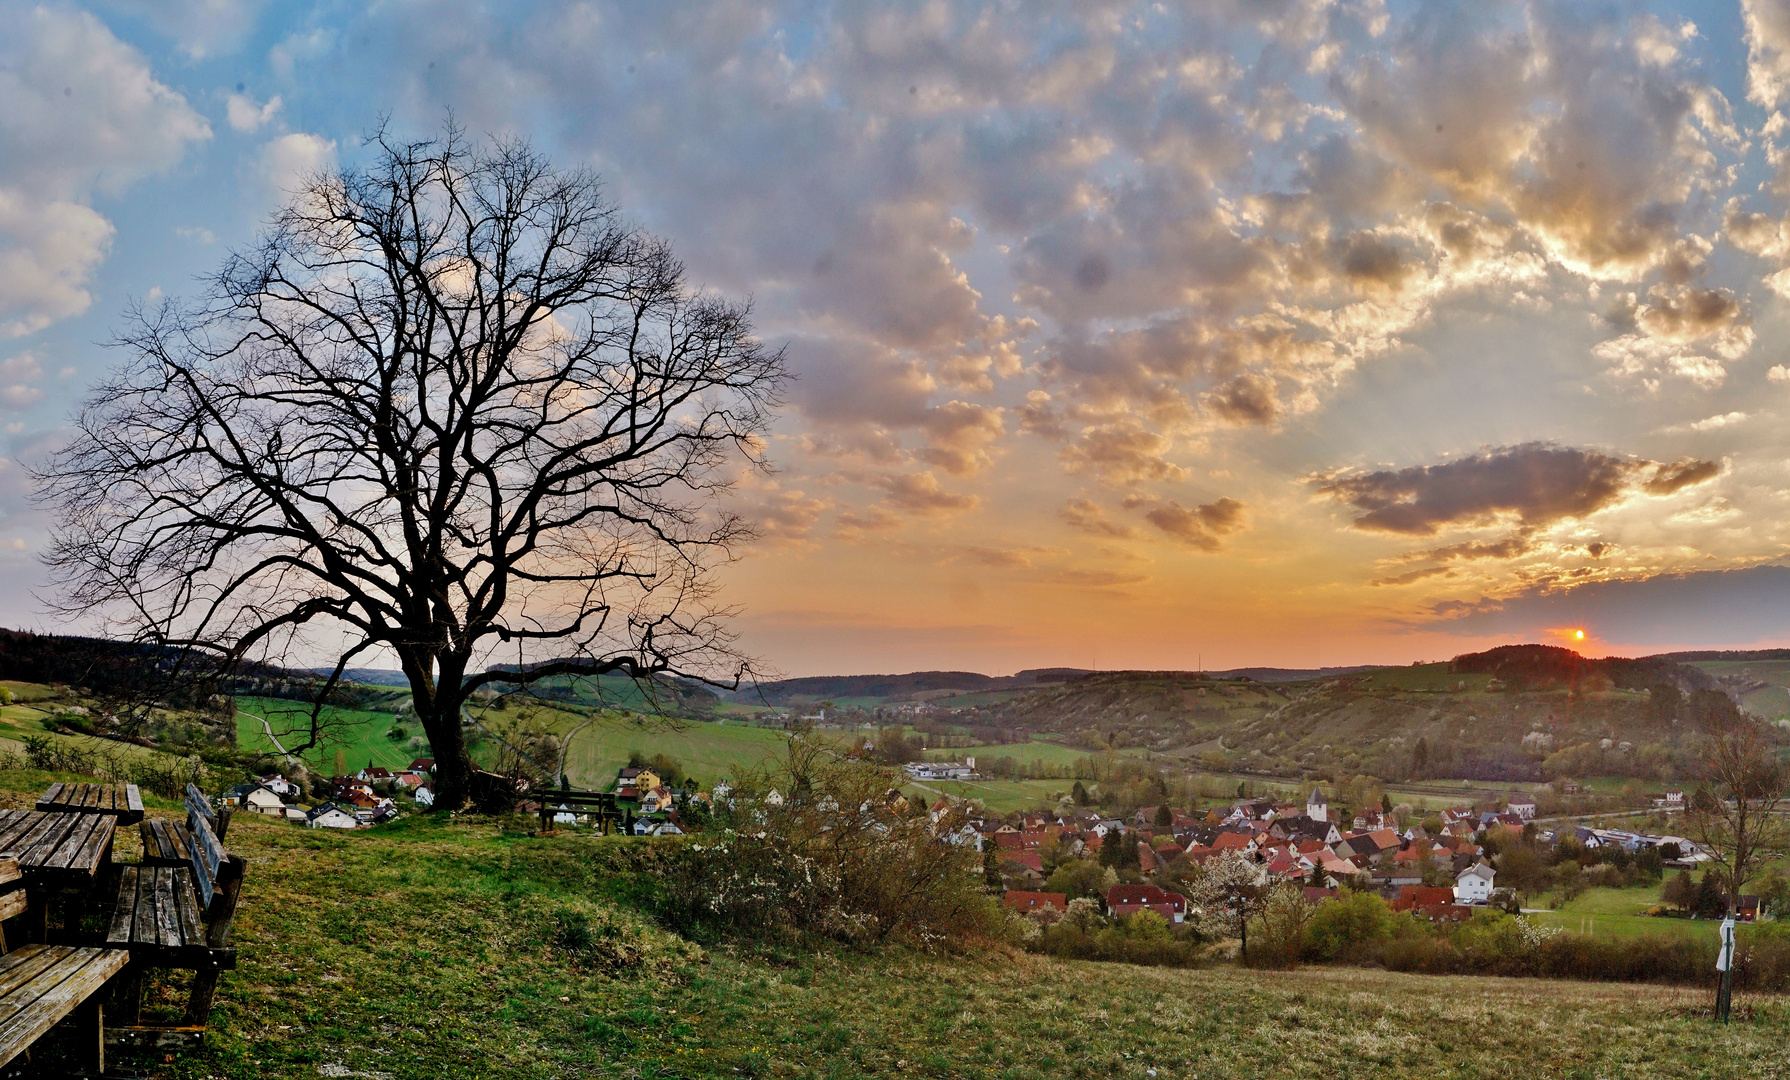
{"x":1243,"y":933}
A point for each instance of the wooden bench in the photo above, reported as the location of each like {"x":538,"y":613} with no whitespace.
{"x":600,"y":803}
{"x":41,"y":985}
{"x":169,"y":843}
{"x":180,"y":917}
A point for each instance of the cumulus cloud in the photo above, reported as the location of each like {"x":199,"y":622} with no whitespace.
{"x":80,"y":112}
{"x":1090,"y":517}
{"x":1537,"y":484}
{"x":290,"y":160}
{"x":246,"y":115}
{"x":922,"y":494}
{"x":785,"y":516}
{"x":1121,"y":453}
{"x":1203,"y":526}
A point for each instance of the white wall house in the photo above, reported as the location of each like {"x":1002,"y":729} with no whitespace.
{"x":263,"y":801}
{"x":1522,"y":806}
{"x":1316,"y":808}
{"x":1474,"y":885}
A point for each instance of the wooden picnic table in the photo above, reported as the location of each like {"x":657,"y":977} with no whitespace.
{"x":122,"y":801}
{"x":61,"y":857}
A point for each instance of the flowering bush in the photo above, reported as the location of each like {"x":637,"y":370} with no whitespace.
{"x":829,"y":853}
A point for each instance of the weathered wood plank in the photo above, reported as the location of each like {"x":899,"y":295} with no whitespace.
{"x":133,"y":800}
{"x":124,"y":909}
{"x":92,"y":851}
{"x":9,"y":870}
{"x":167,"y":918}
{"x":22,"y":965}
{"x":186,"y":907}
{"x":74,"y":976}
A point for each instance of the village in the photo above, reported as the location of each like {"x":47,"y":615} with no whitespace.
{"x":1441,"y":875}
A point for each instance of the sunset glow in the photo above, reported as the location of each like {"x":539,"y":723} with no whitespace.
{"x":1294,"y":334}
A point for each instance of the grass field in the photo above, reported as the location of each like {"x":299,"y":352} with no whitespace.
{"x":708,"y":751}
{"x":1000,"y":796}
{"x":358,"y":734}
{"x":428,"y":949}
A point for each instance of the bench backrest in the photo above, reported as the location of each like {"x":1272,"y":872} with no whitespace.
{"x":217,"y":875}
{"x":199,"y":808}
{"x":578,"y":798}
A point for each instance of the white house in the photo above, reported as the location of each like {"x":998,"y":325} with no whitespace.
{"x":1316,"y":808}
{"x":1474,"y":885}
{"x":279,"y":785}
{"x":330,"y":816}
{"x":1522,"y":806}
{"x":424,"y":797}
{"x":263,"y":801}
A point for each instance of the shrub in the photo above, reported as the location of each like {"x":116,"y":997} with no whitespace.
{"x":831,"y":859}
{"x":1352,"y":926}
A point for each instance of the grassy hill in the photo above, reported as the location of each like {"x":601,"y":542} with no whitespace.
{"x":427,"y":950}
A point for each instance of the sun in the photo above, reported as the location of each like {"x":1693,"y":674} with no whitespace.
{"x":1578,"y":635}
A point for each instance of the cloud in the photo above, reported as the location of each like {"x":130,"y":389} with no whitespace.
{"x":80,"y":113}
{"x":1410,"y":577}
{"x":246,"y":116}
{"x":1088,"y":516}
{"x":1716,"y":607}
{"x":785,"y":516}
{"x":1670,"y":479}
{"x":1121,"y":453}
{"x":922,"y":495}
{"x":1768,"y":50}
{"x":1203,"y":526}
{"x":1536,"y":483}
{"x":289,"y":161}
{"x":1095,"y":579}
{"x":1001,"y":558}
{"x":202,"y":28}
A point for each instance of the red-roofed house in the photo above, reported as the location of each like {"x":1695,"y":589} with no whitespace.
{"x":1124,"y":900}
{"x":1031,"y":902}
{"x":1242,"y":843}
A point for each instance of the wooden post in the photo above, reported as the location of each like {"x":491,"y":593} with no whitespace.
{"x":223,"y":822}
{"x":205,"y":987}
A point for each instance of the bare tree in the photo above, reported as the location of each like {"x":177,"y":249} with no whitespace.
{"x":1740,"y":822}
{"x":452,"y":409}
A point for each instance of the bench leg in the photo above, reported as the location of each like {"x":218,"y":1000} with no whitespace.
{"x":198,"y":1007}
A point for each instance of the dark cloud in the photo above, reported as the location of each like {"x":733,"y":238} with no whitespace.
{"x":1681,"y":474}
{"x":1715,"y":607}
{"x":1538,"y":483}
{"x":1247,"y":399}
{"x":1518,"y":543}
{"x":1203,"y":526}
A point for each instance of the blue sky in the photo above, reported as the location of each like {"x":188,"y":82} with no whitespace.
{"x":1279,"y":331}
